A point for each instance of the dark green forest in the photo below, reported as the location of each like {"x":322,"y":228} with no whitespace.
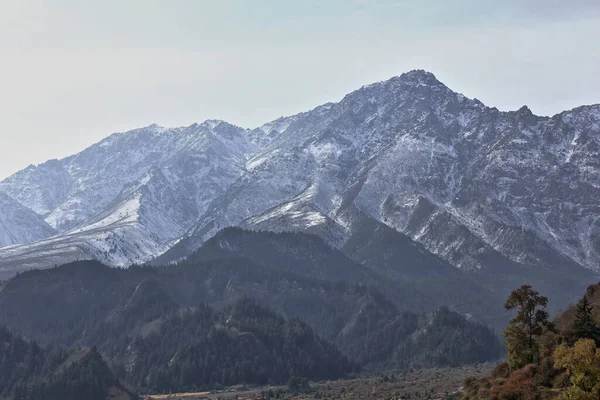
{"x":201,"y":349}
{"x":30,"y":372}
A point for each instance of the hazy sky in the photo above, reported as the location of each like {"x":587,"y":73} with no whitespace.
{"x":72,"y":71}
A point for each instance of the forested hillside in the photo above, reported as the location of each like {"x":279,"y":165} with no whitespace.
{"x":375,"y":255}
{"x":122,"y":311}
{"x":30,"y":372}
{"x":199,"y":349}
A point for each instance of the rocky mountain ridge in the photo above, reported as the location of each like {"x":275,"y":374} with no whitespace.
{"x":468,"y":182}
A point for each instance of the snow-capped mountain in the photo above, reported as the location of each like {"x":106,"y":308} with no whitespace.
{"x":464,"y":179}
{"x":127,"y":198}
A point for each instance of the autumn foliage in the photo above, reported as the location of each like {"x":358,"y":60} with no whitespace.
{"x":582,"y":363}
{"x":543,"y":362}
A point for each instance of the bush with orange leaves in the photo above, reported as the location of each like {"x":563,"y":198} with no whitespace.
{"x":505,"y":385}
{"x":519,"y":385}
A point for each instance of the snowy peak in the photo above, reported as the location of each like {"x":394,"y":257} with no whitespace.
{"x":418,"y":77}
{"x":414,"y":78}
{"x":417,"y":84}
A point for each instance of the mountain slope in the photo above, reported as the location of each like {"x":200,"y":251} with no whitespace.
{"x":130,"y":196}
{"x":201,"y":348}
{"x":298,"y":253}
{"x":453,"y":174}
{"x":18,"y":224}
{"x":34,"y":373}
{"x":96,"y":176}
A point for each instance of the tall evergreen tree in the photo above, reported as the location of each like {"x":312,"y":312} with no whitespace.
{"x":584,"y":326}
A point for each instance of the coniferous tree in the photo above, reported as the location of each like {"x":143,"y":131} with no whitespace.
{"x":584,"y":326}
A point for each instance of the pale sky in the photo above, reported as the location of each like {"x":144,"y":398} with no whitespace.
{"x":73,"y":71}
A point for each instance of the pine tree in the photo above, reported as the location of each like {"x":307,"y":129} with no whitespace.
{"x":584,"y":326}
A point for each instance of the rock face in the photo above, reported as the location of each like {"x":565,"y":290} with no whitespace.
{"x":18,"y":224}
{"x":463,"y":179}
{"x":127,"y":198}
{"x":470,"y":183}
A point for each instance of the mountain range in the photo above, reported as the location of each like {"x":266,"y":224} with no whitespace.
{"x":482,"y":190}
